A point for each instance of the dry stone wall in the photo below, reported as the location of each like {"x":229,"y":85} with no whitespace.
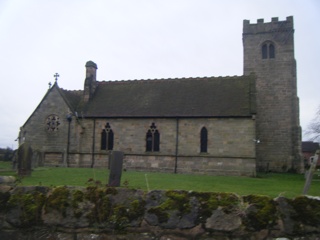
{"x":97,"y":212}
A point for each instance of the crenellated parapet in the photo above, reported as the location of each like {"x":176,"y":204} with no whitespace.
{"x":279,"y":31}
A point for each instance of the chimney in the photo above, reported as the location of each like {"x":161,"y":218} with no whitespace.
{"x":90,"y":81}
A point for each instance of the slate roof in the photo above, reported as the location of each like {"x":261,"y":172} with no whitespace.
{"x":185,"y":97}
{"x":73,"y":98}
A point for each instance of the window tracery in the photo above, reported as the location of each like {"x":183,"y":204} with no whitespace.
{"x":53,"y":123}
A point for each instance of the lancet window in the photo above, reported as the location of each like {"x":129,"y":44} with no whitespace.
{"x":204,"y":140}
{"x":107,"y":138}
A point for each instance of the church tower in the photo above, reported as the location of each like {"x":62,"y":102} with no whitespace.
{"x":269,"y":54}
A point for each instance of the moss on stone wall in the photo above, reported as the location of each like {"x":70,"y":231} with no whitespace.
{"x":77,"y":198}
{"x":103,"y":209}
{"x":211,"y":201}
{"x":58,"y":200}
{"x":261,"y":212}
{"x":27,"y":207}
{"x":307,"y":210}
{"x":4,"y":197}
{"x":102,"y":204}
{"x":178,"y":201}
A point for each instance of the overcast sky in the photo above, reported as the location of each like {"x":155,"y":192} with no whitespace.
{"x":138,"y":39}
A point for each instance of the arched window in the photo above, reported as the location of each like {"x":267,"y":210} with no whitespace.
{"x":268,"y":50}
{"x":204,"y":140}
{"x":107,"y":138}
{"x":153,"y":139}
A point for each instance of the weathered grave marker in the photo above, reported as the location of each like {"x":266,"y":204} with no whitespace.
{"x":24,"y":160}
{"x":115,"y":162}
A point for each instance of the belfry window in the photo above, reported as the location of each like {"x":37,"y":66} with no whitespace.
{"x":153,"y":139}
{"x":107,"y":138}
{"x":204,"y":140}
{"x":268,"y":50}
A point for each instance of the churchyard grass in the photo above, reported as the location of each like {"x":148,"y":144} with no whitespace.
{"x":272,"y":184}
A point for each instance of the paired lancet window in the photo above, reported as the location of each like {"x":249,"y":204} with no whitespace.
{"x":268,"y":50}
{"x":203,"y":140}
{"x":153,"y":139}
{"x":107,"y":138}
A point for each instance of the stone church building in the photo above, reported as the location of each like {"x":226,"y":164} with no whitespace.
{"x":211,"y":125}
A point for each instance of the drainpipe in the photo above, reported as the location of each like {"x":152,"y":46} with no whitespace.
{"x":177,"y":146}
{"x":69,"y":118}
{"x":93,"y":142}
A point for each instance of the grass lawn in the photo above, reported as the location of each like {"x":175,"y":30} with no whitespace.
{"x":272,"y":184}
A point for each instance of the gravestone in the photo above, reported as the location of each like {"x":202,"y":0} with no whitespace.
{"x":24,"y":160}
{"x":115,"y":163}
{"x":310,"y":172}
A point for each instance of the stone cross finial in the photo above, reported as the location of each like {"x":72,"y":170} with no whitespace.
{"x":56,"y":75}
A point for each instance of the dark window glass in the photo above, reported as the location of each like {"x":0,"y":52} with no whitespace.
{"x":264,"y":51}
{"x":156,"y":141}
{"x":204,"y":140}
{"x":103,"y":140}
{"x":271,"y":51}
{"x":149,"y":141}
{"x":110,"y":139}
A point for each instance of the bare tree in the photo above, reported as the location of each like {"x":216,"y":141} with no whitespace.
{"x":313,"y":129}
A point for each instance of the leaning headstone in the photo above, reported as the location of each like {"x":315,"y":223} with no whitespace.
{"x":24,"y":160}
{"x":310,"y":173}
{"x":115,"y":161}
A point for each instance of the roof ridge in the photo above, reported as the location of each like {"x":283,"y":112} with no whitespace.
{"x":68,"y":90}
{"x":166,"y":79}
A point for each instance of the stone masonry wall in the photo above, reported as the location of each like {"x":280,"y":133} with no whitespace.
{"x":51,"y":144}
{"x":97,"y":212}
{"x":226,"y":136}
{"x":231,"y":148}
{"x":196,"y":164}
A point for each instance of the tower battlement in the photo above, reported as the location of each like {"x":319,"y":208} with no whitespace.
{"x":266,"y":27}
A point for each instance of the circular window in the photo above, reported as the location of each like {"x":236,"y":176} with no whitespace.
{"x":53,"y":123}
